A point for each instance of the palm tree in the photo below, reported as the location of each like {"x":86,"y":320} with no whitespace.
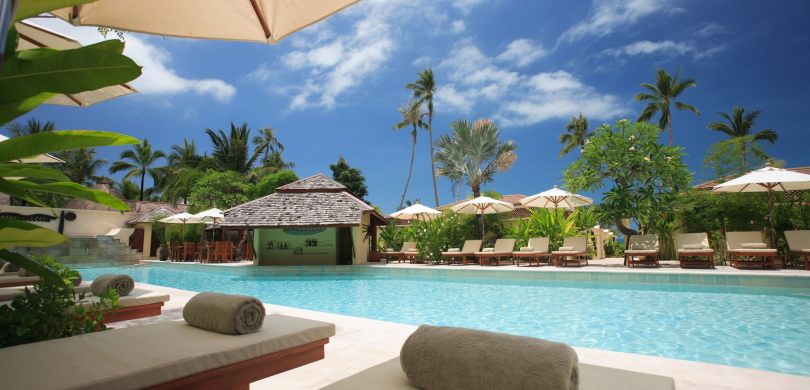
{"x":232,"y":152}
{"x":575,"y":134}
{"x":267,"y":140}
{"x":81,"y":165}
{"x":484,"y":154}
{"x":184,"y":156}
{"x":409,"y":203}
{"x":141,"y":161}
{"x":33,"y":126}
{"x":423,"y":90}
{"x":740,"y":127}
{"x":664,"y":92}
{"x":412,"y":115}
{"x":128,"y":189}
{"x":275,"y":163}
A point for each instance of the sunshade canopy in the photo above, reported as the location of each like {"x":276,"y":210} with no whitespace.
{"x":483,"y":205}
{"x":777,"y":179}
{"x":33,"y":36}
{"x":416,"y":211}
{"x":179,"y":218}
{"x":233,"y":20}
{"x":209,"y":216}
{"x":555,"y":198}
{"x":42,"y":158}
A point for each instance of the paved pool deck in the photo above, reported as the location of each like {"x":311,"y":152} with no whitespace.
{"x":362,"y":343}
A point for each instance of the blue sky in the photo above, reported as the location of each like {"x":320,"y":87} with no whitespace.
{"x":334,"y":89}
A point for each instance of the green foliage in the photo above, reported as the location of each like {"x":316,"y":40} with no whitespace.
{"x":645,"y":177}
{"x":391,"y":236}
{"x":350,"y":177}
{"x":437,"y":235}
{"x":576,"y":131}
{"x":267,"y":185}
{"x":49,"y":311}
{"x":138,"y":162}
{"x":661,"y":95}
{"x":221,"y":190}
{"x":613,"y":248}
{"x":551,"y":223}
{"x":81,"y":165}
{"x":232,"y":151}
{"x":129,"y":190}
{"x":27,"y":9}
{"x":725,"y":158}
{"x":32,"y":126}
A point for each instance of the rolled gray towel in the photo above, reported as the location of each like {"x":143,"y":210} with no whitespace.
{"x":123,"y":284}
{"x":225,"y":313}
{"x":10,"y":268}
{"x":25,"y":273}
{"x":445,"y":358}
{"x":78,"y":281}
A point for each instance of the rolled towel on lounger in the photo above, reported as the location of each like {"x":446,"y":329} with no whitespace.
{"x":454,"y":250}
{"x":566,"y":248}
{"x":123,"y":284}
{"x":225,"y":313}
{"x":693,"y":246}
{"x":11,"y":268}
{"x":753,"y":245}
{"x":526,"y":249}
{"x":444,"y":358}
{"x":25,"y":273}
{"x":78,"y":281}
{"x":488,"y":250}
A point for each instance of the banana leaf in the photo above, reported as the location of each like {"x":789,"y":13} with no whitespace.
{"x":32,"y":171}
{"x":57,"y":141}
{"x":71,"y":189}
{"x":19,"y":233}
{"x":29,"y":8}
{"x":34,"y":266}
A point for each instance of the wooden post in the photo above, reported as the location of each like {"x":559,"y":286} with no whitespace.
{"x":373,"y":232}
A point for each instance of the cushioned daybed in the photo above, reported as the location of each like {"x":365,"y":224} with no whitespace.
{"x":389,"y":376}
{"x":798,"y":242}
{"x":9,"y":293}
{"x":537,"y":248}
{"x":736,"y":243}
{"x":166,"y":355}
{"x":503,"y":249}
{"x":641,"y":245}
{"x":694,"y":245}
{"x":407,"y":253}
{"x":11,"y":279}
{"x":579,"y":252}
{"x":460,"y":256}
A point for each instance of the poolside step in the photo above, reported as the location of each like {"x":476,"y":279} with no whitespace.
{"x":85,"y":250}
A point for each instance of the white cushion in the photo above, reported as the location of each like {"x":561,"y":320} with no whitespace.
{"x":488,"y":250}
{"x":526,"y":249}
{"x":454,"y":250}
{"x":147,"y":355}
{"x":9,"y":293}
{"x":566,"y":248}
{"x":694,"y":246}
{"x":753,"y":245}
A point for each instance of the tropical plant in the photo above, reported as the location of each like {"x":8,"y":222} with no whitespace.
{"x":33,"y":126}
{"x":232,"y":151}
{"x":645,"y":177}
{"x":662,"y":94}
{"x":576,"y":131}
{"x":412,"y":115}
{"x":613,"y":248}
{"x":221,"y":190}
{"x":184,"y":156}
{"x":141,"y":160}
{"x":275,"y":163}
{"x":50,"y":311}
{"x":409,"y":203}
{"x":423,"y":90}
{"x":267,"y":141}
{"x":551,"y":223}
{"x":740,"y":128}
{"x":433,"y":236}
{"x":391,"y":236}
{"x":129,"y":190}
{"x":350,"y":177}
{"x":267,"y":185}
{"x":484,"y":154}
{"x":81,"y":165}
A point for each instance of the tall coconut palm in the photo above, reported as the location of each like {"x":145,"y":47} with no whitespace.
{"x":412,"y":115}
{"x":33,"y":126}
{"x":140,"y":160}
{"x":232,"y":152}
{"x":266,"y":140}
{"x":662,"y":94}
{"x":484,"y":154}
{"x":575,"y":134}
{"x":423,"y":90}
{"x":740,"y":127}
{"x":128,"y":189}
{"x":184,"y":156}
{"x":81,"y":165}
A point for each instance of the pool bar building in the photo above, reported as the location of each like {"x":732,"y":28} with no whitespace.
{"x":311,"y":222}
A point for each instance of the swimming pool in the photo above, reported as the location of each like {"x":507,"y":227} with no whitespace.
{"x":751,"y":327}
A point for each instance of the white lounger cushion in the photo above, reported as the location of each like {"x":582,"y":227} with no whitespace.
{"x":148,"y":355}
{"x":137,"y":297}
{"x":389,"y":376}
{"x":14,"y":278}
{"x":9,"y":293}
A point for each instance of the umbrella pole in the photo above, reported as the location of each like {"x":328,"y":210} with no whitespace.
{"x":770,"y":211}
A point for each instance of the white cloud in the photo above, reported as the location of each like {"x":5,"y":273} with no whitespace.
{"x":520,"y":99}
{"x":458,"y":27}
{"x":710,"y":29}
{"x":710,"y":52}
{"x":522,"y":52}
{"x":648,"y":47}
{"x":606,"y":16}
{"x":422,"y":61}
{"x":465,"y":6}
{"x":262,"y":73}
{"x":157,"y":77}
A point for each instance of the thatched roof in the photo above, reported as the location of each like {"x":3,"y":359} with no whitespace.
{"x":316,"y":201}
{"x":135,"y":206}
{"x":152,"y":216}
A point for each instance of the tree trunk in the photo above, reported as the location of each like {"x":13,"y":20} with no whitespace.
{"x":458,"y":193}
{"x":479,"y":218}
{"x":669,"y":121}
{"x":432,"y":166}
{"x":143,"y":176}
{"x":624,"y":229}
{"x":410,"y":171}
{"x":743,"y":158}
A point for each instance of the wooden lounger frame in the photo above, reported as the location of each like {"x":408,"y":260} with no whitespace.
{"x":401,"y":257}
{"x":18,"y":284}
{"x":803,"y":255}
{"x":239,"y":376}
{"x":734,"y":258}
{"x":686,"y":253}
{"x":560,"y":258}
{"x":497,"y":256}
{"x":632,"y":263}
{"x":450,"y":258}
{"x":531,"y":257}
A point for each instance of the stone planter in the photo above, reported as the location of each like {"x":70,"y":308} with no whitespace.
{"x":163,"y":252}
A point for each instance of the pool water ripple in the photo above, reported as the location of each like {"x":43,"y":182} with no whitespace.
{"x":759,"y":328}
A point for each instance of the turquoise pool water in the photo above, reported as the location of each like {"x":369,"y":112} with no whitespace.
{"x":752,"y":327}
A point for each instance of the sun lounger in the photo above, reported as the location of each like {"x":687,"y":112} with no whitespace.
{"x":579,"y":253}
{"x":735,"y":243}
{"x":798,"y":242}
{"x":687,"y":245}
{"x":539,"y":250}
{"x":460,"y":257}
{"x":389,"y":376}
{"x":137,"y":304}
{"x":11,"y":279}
{"x":166,"y":355}
{"x":407,"y":253}
{"x":641,"y":245}
{"x":9,"y":293}
{"x":503,"y":249}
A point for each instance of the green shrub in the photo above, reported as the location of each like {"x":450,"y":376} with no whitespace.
{"x":48,"y":311}
{"x":391,"y":236}
{"x":437,"y":235}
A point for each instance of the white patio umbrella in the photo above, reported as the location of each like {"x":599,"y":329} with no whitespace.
{"x":33,"y":36}
{"x":266,"y":21}
{"x":556,"y":198}
{"x":417,"y":211}
{"x":768,"y":179}
{"x":483,"y":205}
{"x":210,"y":216}
{"x":42,"y":158}
{"x":180,"y":218}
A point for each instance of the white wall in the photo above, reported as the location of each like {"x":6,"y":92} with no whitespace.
{"x":88,"y":223}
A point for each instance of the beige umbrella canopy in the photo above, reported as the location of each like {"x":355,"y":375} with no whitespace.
{"x":180,"y":218}
{"x":416,"y":211}
{"x":33,"y":36}
{"x":555,"y":198}
{"x":768,"y":179}
{"x":266,"y":21}
{"x":42,"y":158}
{"x":483,"y":205}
